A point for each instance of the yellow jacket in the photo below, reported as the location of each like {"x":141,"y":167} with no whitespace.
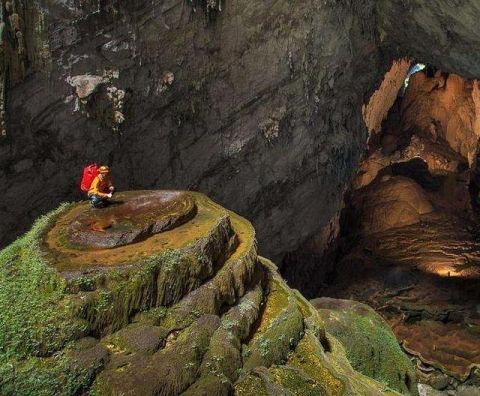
{"x":100,"y":187}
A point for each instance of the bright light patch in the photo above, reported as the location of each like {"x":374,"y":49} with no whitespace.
{"x":414,"y":69}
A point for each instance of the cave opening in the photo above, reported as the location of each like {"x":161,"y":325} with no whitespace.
{"x":415,"y":68}
{"x":407,"y":241}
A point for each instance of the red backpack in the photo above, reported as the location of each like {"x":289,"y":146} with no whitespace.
{"x":90,"y":172}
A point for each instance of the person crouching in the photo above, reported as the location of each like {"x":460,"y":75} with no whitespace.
{"x":101,"y":189}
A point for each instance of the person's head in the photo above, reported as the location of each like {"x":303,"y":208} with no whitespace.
{"x":103,"y":171}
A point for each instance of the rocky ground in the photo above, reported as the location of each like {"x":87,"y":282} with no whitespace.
{"x":175,"y":300}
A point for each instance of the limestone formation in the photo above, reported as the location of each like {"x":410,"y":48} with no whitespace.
{"x":19,"y":22}
{"x":390,"y":202}
{"x":437,"y":344}
{"x":190,"y":309}
{"x":443,"y":106}
{"x":364,"y":333}
{"x":85,"y":85}
{"x":97,"y":97}
{"x":382,"y":100}
{"x":409,"y":232}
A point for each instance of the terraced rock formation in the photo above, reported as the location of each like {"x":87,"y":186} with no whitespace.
{"x":185,"y":309}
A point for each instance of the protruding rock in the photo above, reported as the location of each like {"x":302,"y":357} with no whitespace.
{"x":370,"y":344}
{"x":85,"y":85}
{"x":128,"y":218}
{"x":398,"y":201}
{"x":191,"y":308}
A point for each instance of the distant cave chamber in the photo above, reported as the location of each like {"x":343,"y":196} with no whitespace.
{"x":407,"y":241}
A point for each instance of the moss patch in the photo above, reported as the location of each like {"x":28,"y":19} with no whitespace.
{"x":36,"y":321}
{"x":371,"y":347}
{"x":36,"y":314}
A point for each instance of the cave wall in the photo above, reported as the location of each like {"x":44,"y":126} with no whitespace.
{"x":442,"y":33}
{"x":444,"y":107}
{"x":258,"y":105}
{"x":382,"y":100}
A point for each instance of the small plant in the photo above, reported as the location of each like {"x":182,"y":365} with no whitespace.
{"x":104,"y":301}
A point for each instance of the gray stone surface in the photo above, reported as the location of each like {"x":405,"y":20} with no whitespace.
{"x":264,"y":113}
{"x":440,"y":32}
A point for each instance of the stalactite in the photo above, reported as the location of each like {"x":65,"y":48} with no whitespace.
{"x":211,"y":7}
{"x":22,"y":47}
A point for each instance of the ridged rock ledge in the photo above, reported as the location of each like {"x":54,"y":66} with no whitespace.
{"x":163,"y":293}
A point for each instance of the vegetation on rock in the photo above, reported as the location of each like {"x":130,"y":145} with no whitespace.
{"x":369,"y":342}
{"x":190,"y":310}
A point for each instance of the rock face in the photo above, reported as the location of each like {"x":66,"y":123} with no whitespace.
{"x":258,"y":104}
{"x":438,"y":32}
{"x":241,"y":104}
{"x":382,"y":100}
{"x":390,"y":202}
{"x":191,"y":310}
{"x":444,"y":106}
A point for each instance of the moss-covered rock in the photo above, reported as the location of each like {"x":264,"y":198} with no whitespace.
{"x":369,"y":342}
{"x":192,"y":309}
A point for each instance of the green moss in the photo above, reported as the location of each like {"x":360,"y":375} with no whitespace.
{"x":209,"y":385}
{"x":371,"y":347}
{"x":36,"y":321}
{"x":36,"y":315}
{"x":44,"y":377}
{"x":169,"y":371}
{"x":309,"y":358}
{"x":251,"y":385}
{"x":281,"y":327}
{"x":83,"y":283}
{"x":152,"y":316}
{"x":296,"y":381}
{"x":160,"y":280}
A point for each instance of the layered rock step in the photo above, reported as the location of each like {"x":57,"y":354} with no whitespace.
{"x":161,"y":293}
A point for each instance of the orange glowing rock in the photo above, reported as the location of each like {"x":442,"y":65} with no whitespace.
{"x":453,"y":348}
{"x":390,"y":203}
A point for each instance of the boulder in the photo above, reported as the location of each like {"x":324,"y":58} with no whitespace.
{"x":390,"y":202}
{"x":369,"y":342}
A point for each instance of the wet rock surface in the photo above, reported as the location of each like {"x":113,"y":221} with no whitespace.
{"x":191,"y":310}
{"x":128,"y":218}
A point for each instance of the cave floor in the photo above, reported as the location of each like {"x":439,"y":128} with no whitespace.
{"x":424,"y":280}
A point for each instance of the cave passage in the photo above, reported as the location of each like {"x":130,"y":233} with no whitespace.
{"x":409,"y":239}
